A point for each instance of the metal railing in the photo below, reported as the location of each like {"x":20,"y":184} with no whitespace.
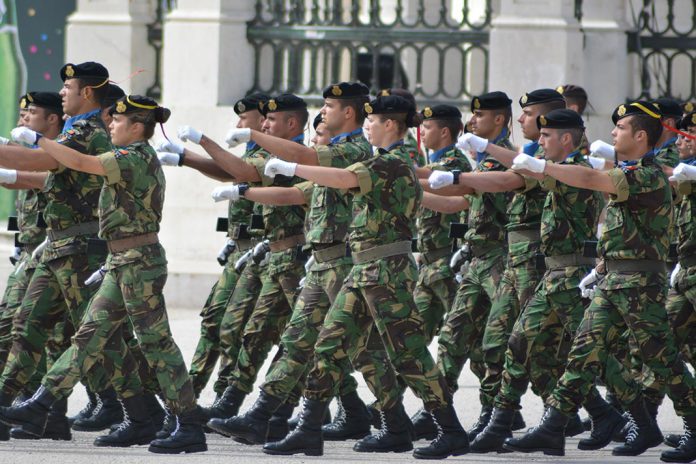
{"x":154,"y":38}
{"x":437,"y":51}
{"x":664,"y":43}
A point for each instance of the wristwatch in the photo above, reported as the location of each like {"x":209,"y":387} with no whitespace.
{"x":455,"y":176}
{"x":242,"y":189}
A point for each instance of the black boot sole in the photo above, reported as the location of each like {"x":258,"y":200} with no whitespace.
{"x":196,"y":448}
{"x":20,"y":434}
{"x":144,"y":441}
{"x":457,"y":452}
{"x":350,"y":436}
{"x":396,"y":449}
{"x":595,"y":446}
{"x":546,"y":451}
{"x":305,"y":451}
{"x":686,"y":459}
{"x":614,"y":452}
{"x":28,"y":428}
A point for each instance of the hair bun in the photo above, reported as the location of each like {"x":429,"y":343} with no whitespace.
{"x":414,"y":119}
{"x":162,"y":114}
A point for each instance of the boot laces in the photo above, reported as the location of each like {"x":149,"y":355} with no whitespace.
{"x":544,"y":416}
{"x":33,"y":397}
{"x":176,"y":428}
{"x":633,"y":430}
{"x":480,"y":420}
{"x":340,"y":418}
{"x":440,"y":433}
{"x":98,"y":407}
{"x":687,"y":435}
{"x":126,"y":419}
{"x":383,"y":430}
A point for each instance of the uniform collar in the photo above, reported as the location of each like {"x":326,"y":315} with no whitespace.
{"x":669,"y":142}
{"x":340,"y":138}
{"x":391,"y":147}
{"x":80,"y":117}
{"x":251,"y":146}
{"x":298,"y":138}
{"x":690,"y":161}
{"x":530,"y":148}
{"x":648,"y":156}
{"x":436,"y":155}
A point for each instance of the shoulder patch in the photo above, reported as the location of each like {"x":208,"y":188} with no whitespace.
{"x":630,"y":168}
{"x":121,"y":152}
{"x":487,"y":164}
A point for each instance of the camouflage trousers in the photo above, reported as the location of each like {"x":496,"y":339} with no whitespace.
{"x":516,"y":289}
{"x":208,"y":349}
{"x":386,"y":305}
{"x":538,"y":348}
{"x":681,"y":313}
{"x":434,"y":294}
{"x":55,"y":288}
{"x":131,"y":291}
{"x":641,"y":310}
{"x":266,"y":322}
{"x":462,"y":332}
{"x":239,"y":308}
{"x":286,"y":376}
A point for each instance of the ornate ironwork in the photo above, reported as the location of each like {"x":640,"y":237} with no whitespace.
{"x":440,"y":53}
{"x":664,"y":42}
{"x":154,"y":38}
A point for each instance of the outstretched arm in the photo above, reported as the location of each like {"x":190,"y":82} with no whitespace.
{"x":581,"y":177}
{"x":240,"y":170}
{"x":72,"y":159}
{"x":26,"y":159}
{"x":328,"y":177}
{"x":444,"y":204}
{"x":286,"y":149}
{"x":279,"y":196}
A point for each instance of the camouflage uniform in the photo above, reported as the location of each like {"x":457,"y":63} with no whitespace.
{"x":634,"y":236}
{"x":521,"y":276}
{"x":462,"y":331}
{"x":326,"y":226}
{"x":130,"y":208}
{"x":436,"y":285}
{"x":208,"y":349}
{"x":378,"y":292}
{"x":569,"y":218}
{"x":71,"y":216}
{"x":279,"y":284}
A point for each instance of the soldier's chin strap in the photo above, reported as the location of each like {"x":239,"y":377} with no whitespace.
{"x":677,"y":131}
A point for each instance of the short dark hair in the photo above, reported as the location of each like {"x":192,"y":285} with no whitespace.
{"x":647,"y":123}
{"x":99,"y":88}
{"x":549,"y":106}
{"x":576,"y":134}
{"x":357,"y":103}
{"x":454,"y":126}
{"x":301,"y":115}
{"x":49,"y":111}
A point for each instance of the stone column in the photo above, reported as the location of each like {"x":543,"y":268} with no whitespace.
{"x":114,"y":33}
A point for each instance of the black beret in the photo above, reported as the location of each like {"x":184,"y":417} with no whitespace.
{"x":389,"y":104}
{"x":540,"y":96}
{"x":688,"y":120}
{"x":346,"y":90}
{"x":50,"y":100}
{"x":23,"y":102}
{"x":399,"y":92}
{"x":250,"y":102}
{"x":317,"y":120}
{"x":113,"y":93}
{"x":560,"y":119}
{"x":572,"y":91}
{"x":132,"y":104}
{"x":490,"y":101}
{"x":283,"y":102}
{"x":87,"y":70}
{"x":441,"y":112}
{"x":636,"y":107}
{"x":668,"y":107}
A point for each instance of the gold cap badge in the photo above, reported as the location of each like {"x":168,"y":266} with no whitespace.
{"x":30,"y":99}
{"x":693,"y":118}
{"x":688,"y":107}
{"x":336,"y":91}
{"x":120,"y":107}
{"x":240,"y":107}
{"x":427,"y":112}
{"x":384,"y":93}
{"x":560,"y":89}
{"x":272,"y":105}
{"x":368,"y":108}
{"x":69,"y":71}
{"x":542,"y":120}
{"x":621,"y":111}
{"x":23,"y":103}
{"x":524,"y":99}
{"x":477,"y":103}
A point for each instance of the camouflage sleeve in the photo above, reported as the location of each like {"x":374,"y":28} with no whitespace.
{"x":364,"y":175}
{"x":260,"y":165}
{"x":529,"y":183}
{"x":111,"y":167}
{"x":307,"y":188}
{"x":340,"y":156}
{"x":618,"y":178}
{"x":685,"y":187}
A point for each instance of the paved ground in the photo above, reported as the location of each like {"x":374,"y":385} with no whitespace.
{"x":221,"y":450}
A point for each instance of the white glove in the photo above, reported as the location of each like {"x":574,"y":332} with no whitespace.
{"x":24,"y":135}
{"x":242,"y":261}
{"x":310,"y":262}
{"x":170,"y":147}
{"x":168,"y":159}
{"x":8,"y":176}
{"x":4,"y":141}
{"x":529,"y":163}
{"x":39,"y":249}
{"x":439,"y":179}
{"x":97,"y":276}
{"x":189,"y":133}
{"x":587,"y":284}
{"x":683,"y":172}
{"x":302,"y":282}
{"x":602,"y":149}
{"x":16,"y":253}
{"x":673,"y":276}
{"x":596,"y":163}
{"x":226,"y":192}
{"x":471,"y":142}
{"x":276,"y":166}
{"x":236,"y":136}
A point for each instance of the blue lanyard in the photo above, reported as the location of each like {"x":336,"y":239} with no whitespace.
{"x":80,"y":117}
{"x":436,"y":155}
{"x":342,"y":137}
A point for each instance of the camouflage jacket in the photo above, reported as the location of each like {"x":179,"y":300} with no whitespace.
{"x":131,"y":199}
{"x":686,"y":216}
{"x":638,"y":218}
{"x":239,"y":212}
{"x":30,"y":204}
{"x":72,"y":197}
{"x":667,"y":154}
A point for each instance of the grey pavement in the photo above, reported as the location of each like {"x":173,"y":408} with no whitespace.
{"x":184,"y":323}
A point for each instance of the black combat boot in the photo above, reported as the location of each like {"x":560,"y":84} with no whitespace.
{"x":354,"y":423}
{"x":394,"y":435}
{"x":548,"y":437}
{"x":5,"y":400}
{"x":574,"y":426}
{"x":157,"y":412}
{"x":292,"y":423}
{"x":493,"y":436}
{"x":375,"y":415}
{"x":451,"y":439}
{"x":424,"y":427}
{"x":672,"y":440}
{"x":481,"y":423}
{"x":643,"y":431}
{"x":252,"y":426}
{"x":518,"y":422}
{"x":228,"y":404}
{"x":107,"y":412}
{"x":278,"y":423}
{"x":137,"y":427}
{"x":606,"y":421}
{"x":87,"y":411}
{"x":31,"y":415}
{"x":187,"y":437}
{"x":57,"y":426}
{"x":168,"y":425}
{"x":307,"y":436}
{"x":686,"y":451}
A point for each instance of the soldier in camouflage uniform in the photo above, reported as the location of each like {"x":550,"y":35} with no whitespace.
{"x":630,"y":294}
{"x":569,"y":218}
{"x":377,"y":294}
{"x":238,"y":243}
{"x":130,"y":210}
{"x":326,"y":229}
{"x":411,"y":143}
{"x":71,"y":216}
{"x":286,"y":116}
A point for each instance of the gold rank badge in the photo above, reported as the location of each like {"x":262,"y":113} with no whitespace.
{"x":621,"y":111}
{"x":272,"y":105}
{"x":427,"y":112}
{"x":69,"y":71}
{"x":524,"y":99}
{"x":542,"y":120}
{"x":368,"y":108}
{"x":120,"y":107}
{"x":336,"y":91}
